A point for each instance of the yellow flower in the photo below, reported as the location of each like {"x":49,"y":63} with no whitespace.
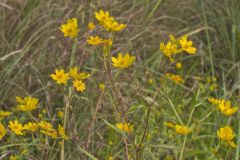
{"x":110,"y":158}
{"x":103,"y":16}
{"x":32,"y":127}
{"x":180,"y":129}
{"x":174,"y":77}
{"x":3,"y":131}
{"x":169,"y":50}
{"x":214,"y":100}
{"x":225,"y":107}
{"x":13,"y":157}
{"x":79,"y":76}
{"x":125,"y":127}
{"x":70,"y":28}
{"x":27,"y":103}
{"x":179,"y":65}
{"x":91,"y":26}
{"x":4,"y":114}
{"x":52,"y":133}
{"x":123,"y":61}
{"x":108,"y":22}
{"x":61,"y":132}
{"x":107,"y":42}
{"x":114,"y":26}
{"x":47,"y":129}
{"x":60,"y":114}
{"x":213,"y":86}
{"x":16,"y":127}
{"x":79,"y":85}
{"x":169,"y":124}
{"x":95,"y":41}
{"x":60,"y":76}
{"x":101,"y":86}
{"x":226,"y":134}
{"x":187,"y":45}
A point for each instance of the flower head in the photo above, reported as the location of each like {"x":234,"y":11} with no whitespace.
{"x":60,"y":76}
{"x":125,"y":127}
{"x":47,"y":129}
{"x":180,"y":129}
{"x":226,"y":134}
{"x":102,"y":86}
{"x":60,"y":114}
{"x":3,"y":131}
{"x":70,"y":28}
{"x":169,"y":50}
{"x":4,"y":114}
{"x":16,"y":127}
{"x":31,"y":126}
{"x":91,"y":26}
{"x":27,"y":103}
{"x":61,"y":132}
{"x":103,"y":16}
{"x":123,"y":61}
{"x":108,"y":22}
{"x":187,"y":45}
{"x":214,"y":100}
{"x":175,"y":78}
{"x":76,"y":75}
{"x":95,"y":41}
{"x":79,"y":85}
{"x":179,"y":65}
{"x":225,"y":107}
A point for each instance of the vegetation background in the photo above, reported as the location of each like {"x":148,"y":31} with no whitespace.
{"x":32,"y":46}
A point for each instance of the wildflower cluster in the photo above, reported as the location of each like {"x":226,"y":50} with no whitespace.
{"x":176,"y":46}
{"x":62,"y":78}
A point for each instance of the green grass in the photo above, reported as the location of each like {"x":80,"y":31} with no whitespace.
{"x":32,"y":47}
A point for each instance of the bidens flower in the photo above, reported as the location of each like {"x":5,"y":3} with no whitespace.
{"x":61,"y":132}
{"x":79,"y":85}
{"x":123,"y":61}
{"x":16,"y":127}
{"x":3,"y":131}
{"x":180,"y":129}
{"x":27,"y":103}
{"x":226,"y":134}
{"x":175,"y":78}
{"x":125,"y":127}
{"x":225,"y":107}
{"x":91,"y":26}
{"x":169,"y":50}
{"x":187,"y":45}
{"x":31,"y":126}
{"x":60,"y":76}
{"x":103,"y":16}
{"x":95,"y":41}
{"x":79,"y":76}
{"x":47,"y":129}
{"x":70,"y":28}
{"x":4,"y":114}
{"x":108,"y":22}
